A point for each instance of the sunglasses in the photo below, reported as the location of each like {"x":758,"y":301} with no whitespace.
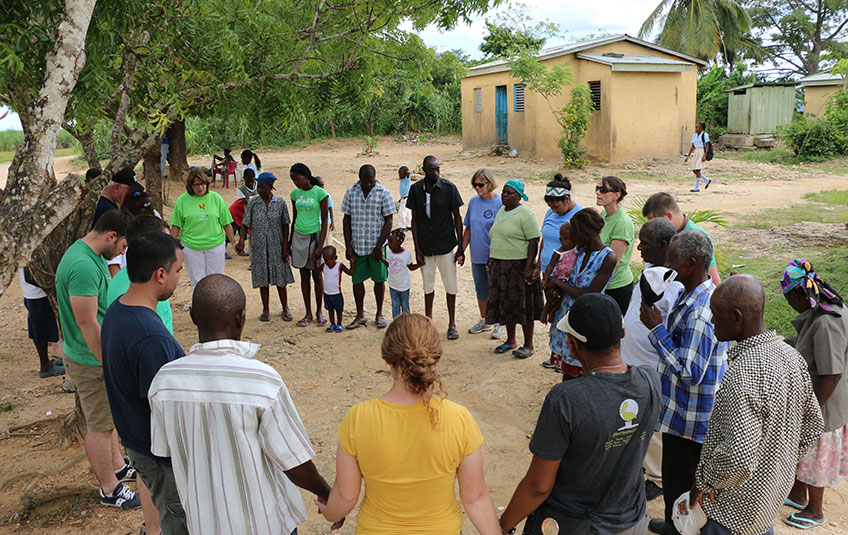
{"x":603,"y":189}
{"x":479,"y":184}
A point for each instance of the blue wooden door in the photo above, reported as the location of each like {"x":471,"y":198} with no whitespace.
{"x":500,"y":114}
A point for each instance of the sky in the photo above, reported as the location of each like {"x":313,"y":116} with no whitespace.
{"x":576,"y":18}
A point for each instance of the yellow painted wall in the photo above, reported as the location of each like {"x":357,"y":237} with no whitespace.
{"x":640,"y":116}
{"x":815,"y":98}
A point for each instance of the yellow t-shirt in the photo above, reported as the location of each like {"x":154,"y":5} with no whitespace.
{"x":409,"y":466}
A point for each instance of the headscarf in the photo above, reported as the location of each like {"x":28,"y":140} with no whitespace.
{"x":819,"y":293}
{"x":266,"y":178}
{"x":518,"y":186}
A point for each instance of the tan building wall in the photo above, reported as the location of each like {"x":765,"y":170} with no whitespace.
{"x":815,"y":98}
{"x":642,"y":114}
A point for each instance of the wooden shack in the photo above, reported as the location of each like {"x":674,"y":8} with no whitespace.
{"x":760,"y":108}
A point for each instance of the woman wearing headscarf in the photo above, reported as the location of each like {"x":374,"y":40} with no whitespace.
{"x":268,"y":218}
{"x":822,"y":339}
{"x":515,"y":292}
{"x":561,"y":208}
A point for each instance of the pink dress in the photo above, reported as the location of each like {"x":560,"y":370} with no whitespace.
{"x":565,"y":264}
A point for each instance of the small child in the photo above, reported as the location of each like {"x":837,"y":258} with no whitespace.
{"x":561,"y":264}
{"x":404,"y":213}
{"x":399,"y":262}
{"x":333,"y":298}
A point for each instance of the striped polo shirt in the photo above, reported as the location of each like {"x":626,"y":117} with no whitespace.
{"x":231,"y":429}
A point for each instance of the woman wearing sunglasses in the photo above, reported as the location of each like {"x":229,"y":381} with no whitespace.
{"x":618,"y":234}
{"x":478,"y":220}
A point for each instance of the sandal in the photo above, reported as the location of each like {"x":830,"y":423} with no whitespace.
{"x":794,"y":505}
{"x":265,"y":316}
{"x":287,"y":316}
{"x":356,"y":323}
{"x":321,"y":321}
{"x":381,"y":323}
{"x":522,"y":353}
{"x":503,"y":348}
{"x":453,"y":334}
{"x":802,"y":523}
{"x":303,"y":322}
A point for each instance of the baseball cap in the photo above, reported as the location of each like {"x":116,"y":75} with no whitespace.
{"x":594,"y":319}
{"x":687,"y":520}
{"x":126,"y":176}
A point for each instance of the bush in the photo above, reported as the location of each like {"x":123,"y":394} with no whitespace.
{"x":837,"y":116}
{"x":574,"y":119}
{"x":811,"y":139}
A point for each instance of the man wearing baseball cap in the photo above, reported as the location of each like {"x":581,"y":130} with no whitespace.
{"x":113,"y":194}
{"x":591,"y":436}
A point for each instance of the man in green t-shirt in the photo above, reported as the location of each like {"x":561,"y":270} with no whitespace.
{"x":663,"y":205}
{"x":82,"y":280}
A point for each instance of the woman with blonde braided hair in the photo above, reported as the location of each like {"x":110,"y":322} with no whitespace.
{"x":410,"y":447}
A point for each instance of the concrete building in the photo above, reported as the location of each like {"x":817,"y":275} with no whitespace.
{"x":643,"y":94}
{"x":817,"y":90}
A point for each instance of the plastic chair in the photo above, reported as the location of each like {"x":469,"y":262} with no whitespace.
{"x":225,"y":176}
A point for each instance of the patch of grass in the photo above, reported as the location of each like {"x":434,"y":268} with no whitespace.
{"x":832,"y":266}
{"x":796,"y":213}
{"x":7,"y":357}
{"x":653,"y":176}
{"x":831,"y":196}
{"x":6,"y":406}
{"x":777,"y":156}
{"x":7,"y":155}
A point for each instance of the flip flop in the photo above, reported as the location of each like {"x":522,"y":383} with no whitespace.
{"x":330,"y":329}
{"x":381,"y":323}
{"x":802,"y":523}
{"x":321,"y":322}
{"x":453,"y":334}
{"x":503,"y":348}
{"x":356,"y":323}
{"x":794,"y":505}
{"x":287,"y":316}
{"x":303,"y":322}
{"x":522,"y":353}
{"x":265,"y":317}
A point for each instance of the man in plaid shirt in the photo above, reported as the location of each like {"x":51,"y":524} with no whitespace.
{"x":692,"y":363}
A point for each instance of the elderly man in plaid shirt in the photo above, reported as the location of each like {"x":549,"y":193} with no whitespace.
{"x":692,"y":363}
{"x":367,"y":209}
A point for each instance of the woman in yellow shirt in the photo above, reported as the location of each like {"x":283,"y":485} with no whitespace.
{"x":410,"y":448}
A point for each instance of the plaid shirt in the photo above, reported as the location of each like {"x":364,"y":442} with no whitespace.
{"x":367,"y":215}
{"x":692,"y":363}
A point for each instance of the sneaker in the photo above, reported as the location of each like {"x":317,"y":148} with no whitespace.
{"x":498,"y":331}
{"x":707,"y":185}
{"x":127,"y":473}
{"x":227,"y":256}
{"x":652,"y":490}
{"x":54,"y":371}
{"x":480,"y":326}
{"x":122,"y":497}
{"x":69,"y":387}
{"x":548,"y":364}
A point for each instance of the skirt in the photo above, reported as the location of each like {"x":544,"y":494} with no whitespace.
{"x":826,"y":460}
{"x":302,"y":248}
{"x":511,"y":300}
{"x":695,"y":163}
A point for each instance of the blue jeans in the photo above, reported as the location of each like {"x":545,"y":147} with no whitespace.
{"x":481,"y":281}
{"x":400,"y":302}
{"x":166,"y":147}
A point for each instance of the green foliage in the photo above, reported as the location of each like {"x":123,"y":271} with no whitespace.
{"x":811,"y":139}
{"x":7,"y":406}
{"x":712,"y":99}
{"x":698,"y":216}
{"x":831,"y":196}
{"x":10,"y":139}
{"x":574,"y":119}
{"x":778,"y":155}
{"x":837,"y":116}
{"x":502,"y":40}
{"x":371,"y":145}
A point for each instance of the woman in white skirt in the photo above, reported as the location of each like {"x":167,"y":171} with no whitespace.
{"x":201,"y":221}
{"x":698,"y":152}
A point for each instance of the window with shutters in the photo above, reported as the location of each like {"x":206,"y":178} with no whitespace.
{"x":595,"y":89}
{"x":478,"y":101}
{"x":518,"y":97}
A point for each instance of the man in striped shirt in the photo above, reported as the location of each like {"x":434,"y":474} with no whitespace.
{"x":228,"y":423}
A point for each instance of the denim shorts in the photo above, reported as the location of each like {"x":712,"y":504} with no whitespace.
{"x":481,"y":281}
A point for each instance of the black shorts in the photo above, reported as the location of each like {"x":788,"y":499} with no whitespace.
{"x":41,"y":321}
{"x":334,"y":302}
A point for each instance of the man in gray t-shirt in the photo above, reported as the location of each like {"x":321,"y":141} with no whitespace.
{"x":580,"y":446}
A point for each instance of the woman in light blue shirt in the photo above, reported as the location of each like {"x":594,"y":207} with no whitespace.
{"x":700,"y":142}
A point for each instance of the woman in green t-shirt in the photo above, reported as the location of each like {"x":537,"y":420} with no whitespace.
{"x":618,"y":234}
{"x":309,"y":213}
{"x":201,"y":221}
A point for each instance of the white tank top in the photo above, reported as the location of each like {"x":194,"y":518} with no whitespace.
{"x":332,"y":279}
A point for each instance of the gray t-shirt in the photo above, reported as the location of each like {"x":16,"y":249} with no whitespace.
{"x":587,"y":422}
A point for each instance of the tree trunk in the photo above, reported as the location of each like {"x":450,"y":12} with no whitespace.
{"x":153,"y":175}
{"x":33,"y":203}
{"x":177,"y":154}
{"x":88,"y":150}
{"x":332,"y":126}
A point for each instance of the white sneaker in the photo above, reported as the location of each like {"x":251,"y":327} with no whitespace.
{"x":480,"y":327}
{"x":498,"y":331}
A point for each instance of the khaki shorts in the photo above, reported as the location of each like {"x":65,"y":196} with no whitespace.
{"x":447,"y":269}
{"x":92,"y":394}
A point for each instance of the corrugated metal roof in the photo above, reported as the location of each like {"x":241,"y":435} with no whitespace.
{"x":572,"y":48}
{"x":622,"y":62}
{"x":760,"y":84}
{"x":822,"y":78}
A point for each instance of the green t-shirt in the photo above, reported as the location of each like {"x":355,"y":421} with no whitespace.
{"x":81,"y":272}
{"x":619,"y":226}
{"x":119,"y":286}
{"x":201,"y":220}
{"x":510,"y":233}
{"x":690,"y":225}
{"x":308,"y":206}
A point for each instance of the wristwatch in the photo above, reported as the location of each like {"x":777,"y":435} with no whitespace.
{"x":503,"y":531}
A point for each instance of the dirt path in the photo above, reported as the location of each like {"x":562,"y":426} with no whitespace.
{"x":328,"y":373}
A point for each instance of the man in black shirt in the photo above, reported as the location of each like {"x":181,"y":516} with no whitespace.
{"x":122,"y":183}
{"x":436,"y":231}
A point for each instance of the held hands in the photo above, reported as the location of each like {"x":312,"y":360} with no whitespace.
{"x":316,"y":257}
{"x":286,"y":253}
{"x":459,"y":257}
{"x":377,"y":254}
{"x":351,"y":256}
{"x":529,"y":275}
{"x":650,"y":316}
{"x":419,"y":258}
{"x":322,"y":506}
{"x":239,"y":246}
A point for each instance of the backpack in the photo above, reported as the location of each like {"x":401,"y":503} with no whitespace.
{"x":708,"y":148}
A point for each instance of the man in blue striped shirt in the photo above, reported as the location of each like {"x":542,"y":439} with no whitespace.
{"x":692,"y":363}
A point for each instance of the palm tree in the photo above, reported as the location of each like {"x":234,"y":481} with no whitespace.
{"x":700,"y":28}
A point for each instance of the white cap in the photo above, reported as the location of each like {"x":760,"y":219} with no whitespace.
{"x":688,"y":521}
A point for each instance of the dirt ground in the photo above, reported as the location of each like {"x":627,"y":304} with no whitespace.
{"x":328,"y":373}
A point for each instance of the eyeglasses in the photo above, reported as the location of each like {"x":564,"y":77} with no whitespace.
{"x":603,"y":189}
{"x":479,"y":184}
{"x":198,"y":185}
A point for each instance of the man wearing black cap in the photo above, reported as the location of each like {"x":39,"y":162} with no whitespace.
{"x":113,"y":194}
{"x":591,"y":436}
